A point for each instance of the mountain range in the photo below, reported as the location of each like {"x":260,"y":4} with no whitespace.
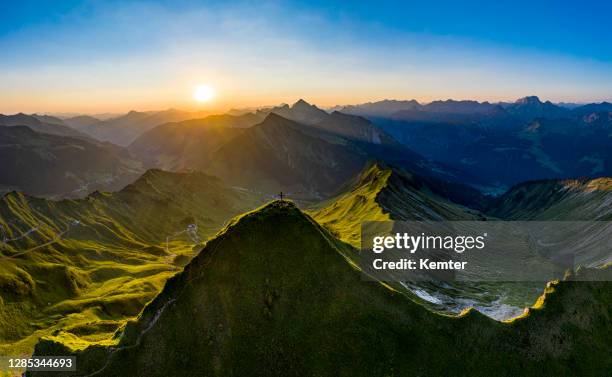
{"x":157,"y":256}
{"x":45,"y":124}
{"x":124,"y":129}
{"x":386,"y":193}
{"x":525,"y":109}
{"x":79,"y":269}
{"x":583,"y":199}
{"x":298,"y":308}
{"x":54,"y":165}
{"x":189,"y":144}
{"x":488,"y":146}
{"x":310,"y":158}
{"x":504,"y":144}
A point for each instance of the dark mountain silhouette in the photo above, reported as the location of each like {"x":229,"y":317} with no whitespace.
{"x":456,"y":112}
{"x":45,"y":164}
{"x":450,"y":111}
{"x":301,"y":112}
{"x":462,"y":107}
{"x":189,"y":144}
{"x":355,"y":128}
{"x":125,"y":129}
{"x":590,"y":108}
{"x":279,"y":155}
{"x":539,"y":140}
{"x":529,"y":108}
{"x":34,"y":123}
{"x":81,"y":122}
{"x":49,"y":119}
{"x":384,"y":108}
{"x":314,"y":160}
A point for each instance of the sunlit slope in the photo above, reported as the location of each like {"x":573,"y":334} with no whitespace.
{"x":79,"y":268}
{"x":273,"y":295}
{"x":124,"y":129}
{"x":189,"y":144}
{"x":383,"y":193}
{"x":557,"y":200}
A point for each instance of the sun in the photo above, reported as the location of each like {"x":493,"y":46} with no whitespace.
{"x":203,"y":93}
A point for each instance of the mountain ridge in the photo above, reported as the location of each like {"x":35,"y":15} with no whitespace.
{"x":384,"y":193}
{"x":188,"y":144}
{"x":275,"y":316}
{"x":33,"y":122}
{"x":54,"y":165}
{"x":572,"y":200}
{"x":79,"y":269}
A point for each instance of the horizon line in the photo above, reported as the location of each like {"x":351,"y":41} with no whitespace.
{"x":253,"y":108}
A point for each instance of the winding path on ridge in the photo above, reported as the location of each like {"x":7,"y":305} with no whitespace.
{"x":57,"y":238}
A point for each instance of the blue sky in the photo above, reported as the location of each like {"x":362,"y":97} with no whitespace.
{"x":96,"y":56}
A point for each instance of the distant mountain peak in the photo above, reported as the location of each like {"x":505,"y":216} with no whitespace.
{"x":531,"y":107}
{"x":529,"y":100}
{"x":301,"y":104}
{"x":274,"y":121}
{"x":387,"y":101}
{"x":302,"y":112}
{"x":385,"y":107}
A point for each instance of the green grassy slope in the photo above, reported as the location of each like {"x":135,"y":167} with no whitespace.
{"x":382,"y":193}
{"x":78,"y":269}
{"x":273,"y":295}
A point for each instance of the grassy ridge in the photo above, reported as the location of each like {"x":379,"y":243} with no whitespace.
{"x":273,"y":295}
{"x":78,"y":269}
{"x":382,"y":193}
